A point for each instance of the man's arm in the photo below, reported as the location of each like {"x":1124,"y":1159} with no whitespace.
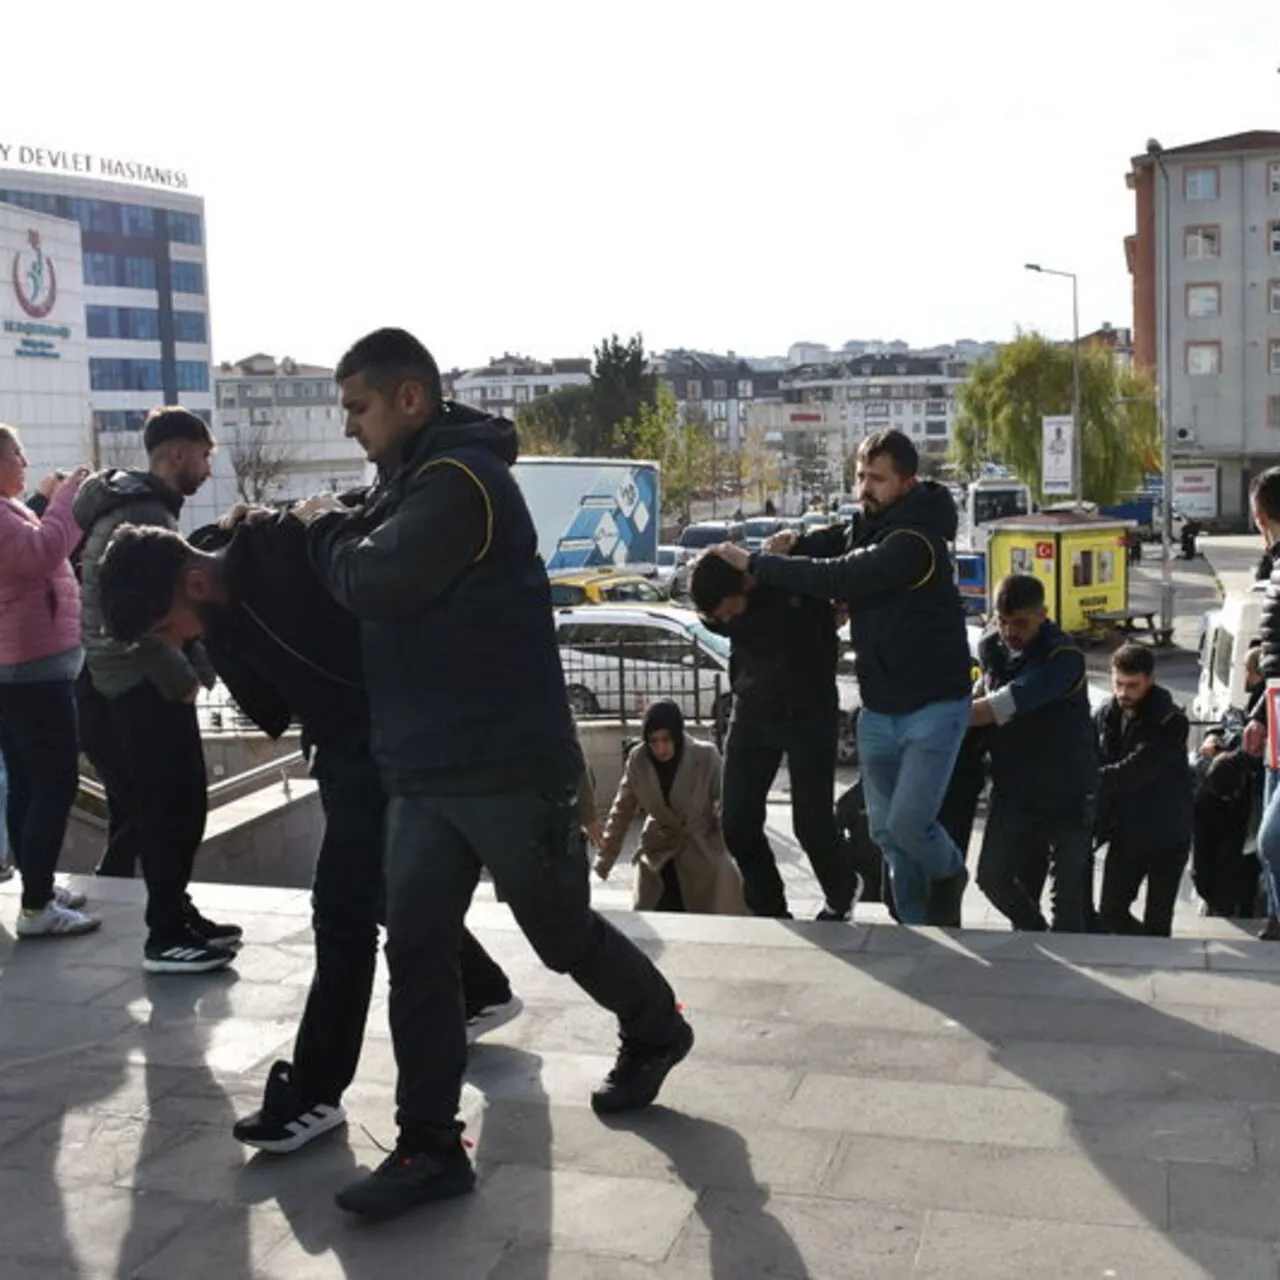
{"x":903,"y":561}
{"x":1060,"y":675}
{"x":443,"y":525}
{"x":1165,"y":743}
{"x":822,"y":544}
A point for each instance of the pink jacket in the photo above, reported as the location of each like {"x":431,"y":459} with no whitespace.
{"x":39,"y":595}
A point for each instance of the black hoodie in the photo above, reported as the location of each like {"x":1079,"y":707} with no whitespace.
{"x":894,"y":571}
{"x":441,"y":567}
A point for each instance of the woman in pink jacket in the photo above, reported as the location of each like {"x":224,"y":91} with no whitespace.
{"x":40,"y":657}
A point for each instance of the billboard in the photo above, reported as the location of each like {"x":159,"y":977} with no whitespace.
{"x":1057,"y":458}
{"x":592,"y":512}
{"x":1195,"y":492}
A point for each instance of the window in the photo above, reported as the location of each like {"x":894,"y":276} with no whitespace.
{"x":719,"y":389}
{"x":693,"y":390}
{"x":1202,"y":242}
{"x":110,"y":420}
{"x":193,"y":375}
{"x":1273,"y":413}
{"x":191,"y":326}
{"x":1203,"y":300}
{"x":745,"y":390}
{"x":139,"y":273}
{"x":186,"y":277}
{"x":1273,"y":178}
{"x":99,"y":268}
{"x":1203,"y":358}
{"x":935,"y":428}
{"x":1273,"y":297}
{"x":897,"y":408}
{"x":936,"y":406}
{"x":126,"y":375}
{"x":540,"y":389}
{"x":138,"y":222}
{"x":1274,"y":238}
{"x":1273,"y":355}
{"x":184,"y":228}
{"x":1200,"y":184}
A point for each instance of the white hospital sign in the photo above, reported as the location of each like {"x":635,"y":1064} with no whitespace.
{"x":24,"y":155}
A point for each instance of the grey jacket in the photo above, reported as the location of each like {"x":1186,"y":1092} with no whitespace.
{"x":106,"y":501}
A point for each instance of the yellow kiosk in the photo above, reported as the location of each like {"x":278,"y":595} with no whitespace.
{"x":1081,"y":558}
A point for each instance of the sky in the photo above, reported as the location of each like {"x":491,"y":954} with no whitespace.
{"x":522,"y":177}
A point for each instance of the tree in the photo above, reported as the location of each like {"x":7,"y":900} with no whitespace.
{"x":257,"y":461}
{"x":1005,"y":398}
{"x":682,"y":448}
{"x":120,"y":449}
{"x":621,"y":385}
{"x":557,"y":423}
{"x":761,"y":465}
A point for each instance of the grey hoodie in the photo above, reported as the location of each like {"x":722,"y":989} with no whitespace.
{"x":107,"y":500}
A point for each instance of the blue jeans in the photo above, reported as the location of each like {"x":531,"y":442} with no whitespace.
{"x":1269,"y":842}
{"x":906,"y":768}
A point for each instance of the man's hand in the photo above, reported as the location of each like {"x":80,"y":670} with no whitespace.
{"x":733,"y":554}
{"x":75,"y":479}
{"x":602,"y":866}
{"x":594,"y":832}
{"x":317,"y":505}
{"x":981,"y":714}
{"x":189,"y":698}
{"x":49,"y":485}
{"x":244,"y":513}
{"x":1255,"y":738}
{"x":781,"y":544}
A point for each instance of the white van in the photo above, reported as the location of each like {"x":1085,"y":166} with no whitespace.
{"x":1223,"y":646}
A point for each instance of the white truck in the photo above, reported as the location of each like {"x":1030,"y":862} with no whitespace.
{"x":593,"y":512}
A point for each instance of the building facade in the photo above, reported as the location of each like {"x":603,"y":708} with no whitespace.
{"x":280,"y":425}
{"x":718,"y":389}
{"x":505,"y":385}
{"x":1205,"y":262}
{"x":143,"y":300}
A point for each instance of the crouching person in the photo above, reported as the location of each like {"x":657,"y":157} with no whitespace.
{"x":682,"y":862}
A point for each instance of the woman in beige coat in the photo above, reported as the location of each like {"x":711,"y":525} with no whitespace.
{"x":682,"y":862}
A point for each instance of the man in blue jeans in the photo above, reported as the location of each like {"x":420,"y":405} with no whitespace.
{"x":1265,"y":495}
{"x":891,"y":566}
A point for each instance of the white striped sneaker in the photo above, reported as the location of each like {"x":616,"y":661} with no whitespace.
{"x":65,"y":897}
{"x":55,"y":921}
{"x":6,"y":870}
{"x":187,"y":954}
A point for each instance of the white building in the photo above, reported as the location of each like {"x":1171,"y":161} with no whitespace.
{"x":280,"y":426}
{"x":506,"y":384}
{"x":138,"y":287}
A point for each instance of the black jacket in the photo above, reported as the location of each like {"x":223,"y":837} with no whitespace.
{"x":1145,"y":787}
{"x":905,"y":617}
{"x":460,"y":657}
{"x":1044,"y":756}
{"x":283,"y":647}
{"x":783,"y":661}
{"x":1269,"y":625}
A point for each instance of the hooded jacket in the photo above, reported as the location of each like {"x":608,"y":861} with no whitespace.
{"x":441,"y":567}
{"x":894,"y":571}
{"x":1145,"y":793}
{"x":107,"y":500}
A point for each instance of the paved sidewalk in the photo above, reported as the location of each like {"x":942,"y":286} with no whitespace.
{"x":862,"y":1102}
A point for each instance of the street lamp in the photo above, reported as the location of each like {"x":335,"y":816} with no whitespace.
{"x":1077,"y":427}
{"x":1165,"y":370}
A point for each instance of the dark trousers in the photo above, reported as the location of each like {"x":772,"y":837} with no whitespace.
{"x":163,"y":760}
{"x":1007,"y":873}
{"x":346,"y":910}
{"x":1122,"y":877}
{"x":753,"y":751}
{"x":532,"y":845}
{"x":1224,"y":877}
{"x":39,"y":742}
{"x":105,"y":751}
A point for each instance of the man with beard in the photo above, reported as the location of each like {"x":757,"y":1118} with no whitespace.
{"x":148,"y":750}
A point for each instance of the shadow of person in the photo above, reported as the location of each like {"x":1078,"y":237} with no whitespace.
{"x":712,"y":1160}
{"x":1114,"y":1051}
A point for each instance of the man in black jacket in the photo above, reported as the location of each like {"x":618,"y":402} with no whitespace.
{"x":892,"y":566}
{"x":783,"y":671}
{"x":286,"y":652}
{"x":1043,"y":761}
{"x":475,"y":744}
{"x":1144,"y":796}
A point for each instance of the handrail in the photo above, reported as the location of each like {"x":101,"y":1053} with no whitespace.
{"x":219,"y":789}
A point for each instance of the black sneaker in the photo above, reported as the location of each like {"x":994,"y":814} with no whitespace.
{"x":287,"y":1120}
{"x":639,"y":1072}
{"x":831,"y":915}
{"x":228,"y":936}
{"x":406,"y":1179}
{"x":189,"y":953}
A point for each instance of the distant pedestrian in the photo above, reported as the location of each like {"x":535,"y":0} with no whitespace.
{"x":682,"y":863}
{"x":1144,"y":796}
{"x":40,"y":657}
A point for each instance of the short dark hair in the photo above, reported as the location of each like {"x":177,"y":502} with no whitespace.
{"x":1019,"y":591}
{"x":138,"y":578}
{"x":1134,"y":660}
{"x":713,"y":581}
{"x":389,"y":357}
{"x":173,"y":422}
{"x":895,"y":446}
{"x":1264,"y":492}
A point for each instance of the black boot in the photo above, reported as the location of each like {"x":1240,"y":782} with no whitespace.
{"x":945,"y":897}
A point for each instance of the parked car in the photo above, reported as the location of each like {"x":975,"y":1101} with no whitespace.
{"x":605,"y":586}
{"x":757,"y":529}
{"x":617,"y":659}
{"x":672,"y":573}
{"x":707,"y":533}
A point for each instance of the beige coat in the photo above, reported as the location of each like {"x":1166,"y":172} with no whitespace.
{"x":686,"y":830}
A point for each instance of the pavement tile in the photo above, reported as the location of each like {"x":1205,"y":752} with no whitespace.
{"x":1208,"y":1198}
{"x":1212,"y":1132}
